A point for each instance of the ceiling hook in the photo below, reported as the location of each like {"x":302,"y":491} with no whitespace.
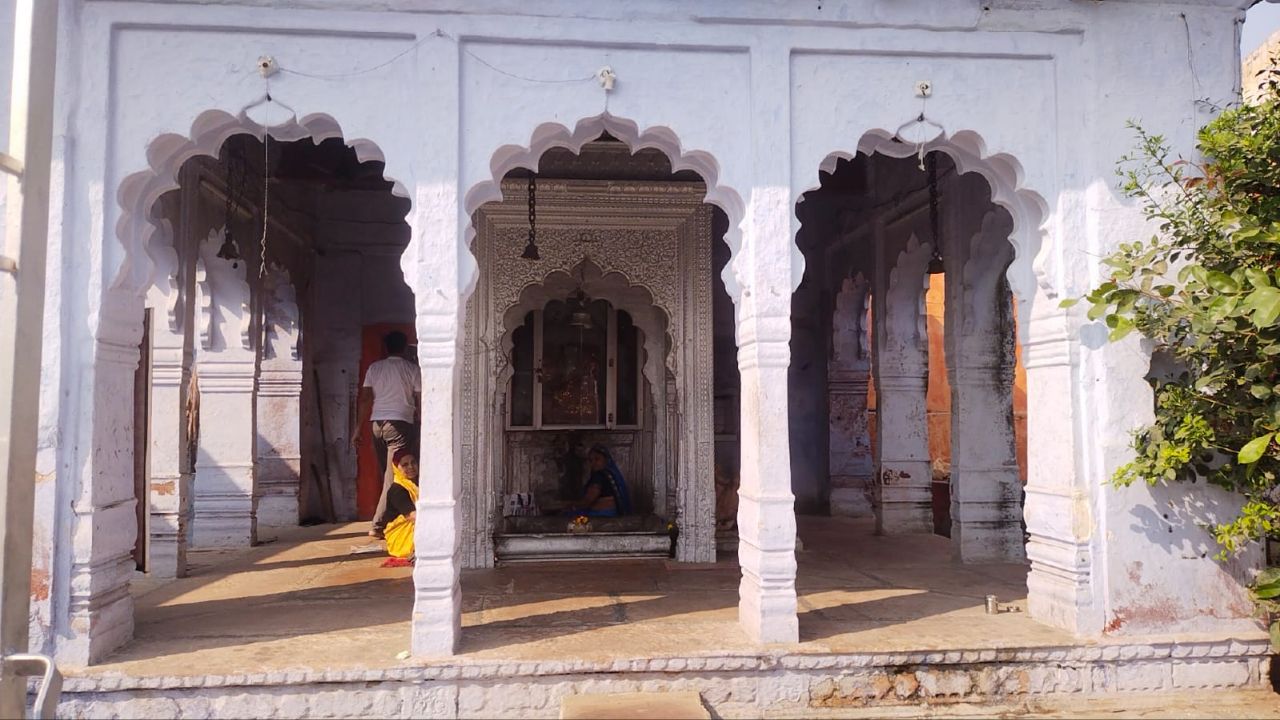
{"x":267,"y":99}
{"x":920,"y":142}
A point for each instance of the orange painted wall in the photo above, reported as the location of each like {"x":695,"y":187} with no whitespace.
{"x":939,"y":398}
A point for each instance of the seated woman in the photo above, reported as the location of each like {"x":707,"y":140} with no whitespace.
{"x":606,"y":492}
{"x":402,"y":500}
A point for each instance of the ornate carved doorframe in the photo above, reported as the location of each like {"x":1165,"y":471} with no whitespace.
{"x":647,"y":240}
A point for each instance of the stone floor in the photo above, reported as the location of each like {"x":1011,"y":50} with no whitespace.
{"x":303,"y":600}
{"x":890,"y":627}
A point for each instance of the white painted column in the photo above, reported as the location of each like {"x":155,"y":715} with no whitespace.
{"x":104,"y":523}
{"x":904,"y":477}
{"x":226,"y":493}
{"x":169,"y":449}
{"x":279,"y":448}
{"x":437,"y":265}
{"x":986,"y":486}
{"x":852,"y":467}
{"x":1061,"y":587}
{"x":764,"y":273}
{"x":170,"y":452}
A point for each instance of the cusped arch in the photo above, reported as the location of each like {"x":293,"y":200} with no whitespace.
{"x":1004,"y":176}
{"x":599,"y":284}
{"x":138,"y":192}
{"x":555,"y":135}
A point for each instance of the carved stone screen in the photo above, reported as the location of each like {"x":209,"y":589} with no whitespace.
{"x":643,"y":250}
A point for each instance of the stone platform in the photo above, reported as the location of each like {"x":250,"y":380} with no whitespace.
{"x":544,"y":539}
{"x":300,"y":627}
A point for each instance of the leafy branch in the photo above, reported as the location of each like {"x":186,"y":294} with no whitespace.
{"x":1205,"y":290}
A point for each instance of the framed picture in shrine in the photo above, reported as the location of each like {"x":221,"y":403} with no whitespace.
{"x":576,"y":365}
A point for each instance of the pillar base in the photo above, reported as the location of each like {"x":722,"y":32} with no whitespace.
{"x":100,"y":611}
{"x":767,"y":615}
{"x":225,"y":508}
{"x":278,"y":510}
{"x":976,"y":542}
{"x":437,"y":593}
{"x":854,"y":499}
{"x":170,"y":525}
{"x":905,"y":498}
{"x":437,"y":628}
{"x":767,"y":591}
{"x":986,"y":514}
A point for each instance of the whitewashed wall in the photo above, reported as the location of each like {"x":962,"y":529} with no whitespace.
{"x":755,"y":96}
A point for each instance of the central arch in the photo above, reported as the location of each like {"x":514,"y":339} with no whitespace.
{"x":671,"y":311}
{"x":556,"y":135}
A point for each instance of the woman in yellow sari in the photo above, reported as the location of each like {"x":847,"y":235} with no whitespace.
{"x":402,"y":499}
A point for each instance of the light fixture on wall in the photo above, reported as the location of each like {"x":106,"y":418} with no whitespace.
{"x":531,"y":248}
{"x":936,"y":266}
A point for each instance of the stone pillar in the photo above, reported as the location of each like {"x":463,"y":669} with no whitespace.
{"x":279,"y":448}
{"x":438,"y":266}
{"x":848,"y":375}
{"x":766,"y":507}
{"x":986,"y":486}
{"x":170,"y":458}
{"x":103,"y":519}
{"x":765,"y":280}
{"x":172,"y":349}
{"x":904,"y":477}
{"x":1062,"y":589}
{"x":903,"y":473}
{"x":695,"y":499}
{"x":226,"y":492}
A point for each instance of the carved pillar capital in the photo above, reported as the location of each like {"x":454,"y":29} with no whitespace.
{"x":280,"y":316}
{"x":225,"y":317}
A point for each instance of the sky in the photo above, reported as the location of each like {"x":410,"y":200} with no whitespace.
{"x":1262,"y":20}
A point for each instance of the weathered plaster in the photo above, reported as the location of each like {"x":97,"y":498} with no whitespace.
{"x":756,"y":98}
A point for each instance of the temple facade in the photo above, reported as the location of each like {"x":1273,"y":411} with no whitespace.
{"x":707,"y":235}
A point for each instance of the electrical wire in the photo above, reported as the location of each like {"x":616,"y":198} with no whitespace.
{"x":437,"y":33}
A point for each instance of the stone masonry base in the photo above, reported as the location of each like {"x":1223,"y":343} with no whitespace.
{"x":770,"y":683}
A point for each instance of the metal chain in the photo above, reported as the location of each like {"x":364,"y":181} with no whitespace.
{"x":230,"y":192}
{"x":932,"y":161}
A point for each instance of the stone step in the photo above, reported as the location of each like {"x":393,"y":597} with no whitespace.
{"x":540,"y":547}
{"x":634,"y":706}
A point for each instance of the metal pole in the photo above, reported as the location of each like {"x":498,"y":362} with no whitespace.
{"x":22,"y":268}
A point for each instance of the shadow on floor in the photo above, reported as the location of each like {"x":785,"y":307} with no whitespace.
{"x":856,"y":592}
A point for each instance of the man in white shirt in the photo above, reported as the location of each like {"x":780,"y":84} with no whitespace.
{"x":388,"y":409}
